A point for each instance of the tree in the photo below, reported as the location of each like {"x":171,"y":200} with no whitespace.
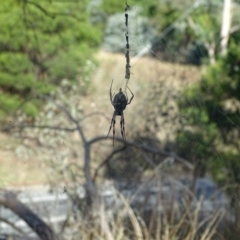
{"x":226,"y":25}
{"x":41,"y":44}
{"x":210,"y":135}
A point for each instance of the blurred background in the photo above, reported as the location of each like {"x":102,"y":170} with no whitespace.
{"x":178,"y":174}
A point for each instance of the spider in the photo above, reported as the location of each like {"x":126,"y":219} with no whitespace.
{"x":119,"y":102}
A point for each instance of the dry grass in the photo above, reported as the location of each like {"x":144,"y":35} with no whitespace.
{"x":135,"y":216}
{"x":175,"y":222}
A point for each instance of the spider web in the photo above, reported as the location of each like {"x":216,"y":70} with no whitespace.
{"x":152,"y":120}
{"x":164,"y":133}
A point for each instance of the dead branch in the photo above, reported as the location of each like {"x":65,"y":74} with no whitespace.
{"x":9,"y":200}
{"x":11,"y":224}
{"x":22,"y":126}
{"x":147,"y":149}
{"x":107,"y":159}
{"x":69,"y":115}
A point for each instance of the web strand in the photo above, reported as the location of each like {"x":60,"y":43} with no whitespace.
{"x":127,"y":68}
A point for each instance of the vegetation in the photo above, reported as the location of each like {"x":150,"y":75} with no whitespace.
{"x":210,"y":134}
{"x":46,"y":48}
{"x":41,"y":44}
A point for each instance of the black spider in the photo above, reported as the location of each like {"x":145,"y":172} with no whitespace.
{"x":119,"y":102}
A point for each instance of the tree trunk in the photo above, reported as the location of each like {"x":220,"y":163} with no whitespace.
{"x":91,"y":191}
{"x":226,"y":25}
{"x":211,"y":52}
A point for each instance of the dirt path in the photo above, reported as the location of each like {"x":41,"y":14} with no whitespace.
{"x":15,"y":170}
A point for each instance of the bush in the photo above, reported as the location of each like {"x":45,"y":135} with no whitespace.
{"x":210,"y":134}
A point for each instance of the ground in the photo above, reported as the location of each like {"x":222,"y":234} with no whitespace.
{"x":17,"y":171}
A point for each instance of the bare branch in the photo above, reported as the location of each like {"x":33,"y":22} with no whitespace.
{"x":12,"y":225}
{"x":17,"y":237}
{"x":107,"y":159}
{"x":66,"y":129}
{"x":147,"y":149}
{"x":52,"y":14}
{"x":9,"y":127}
{"x":93,"y":113}
{"x":9,"y":200}
{"x":69,"y":115}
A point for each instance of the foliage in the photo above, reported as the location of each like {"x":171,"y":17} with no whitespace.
{"x":175,"y":38}
{"x":147,"y":8}
{"x":142,"y":30}
{"x":211,"y":109}
{"x":187,"y":32}
{"x":41,"y":44}
{"x":195,"y":36}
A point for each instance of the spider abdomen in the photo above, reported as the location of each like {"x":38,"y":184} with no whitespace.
{"x":119,"y":103}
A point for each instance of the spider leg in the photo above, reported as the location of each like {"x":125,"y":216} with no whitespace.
{"x":111,"y":96}
{"x":112,"y":99}
{"x":112,"y":125}
{"x":122,"y":127}
{"x":131,"y":97}
{"x":126,"y":95}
